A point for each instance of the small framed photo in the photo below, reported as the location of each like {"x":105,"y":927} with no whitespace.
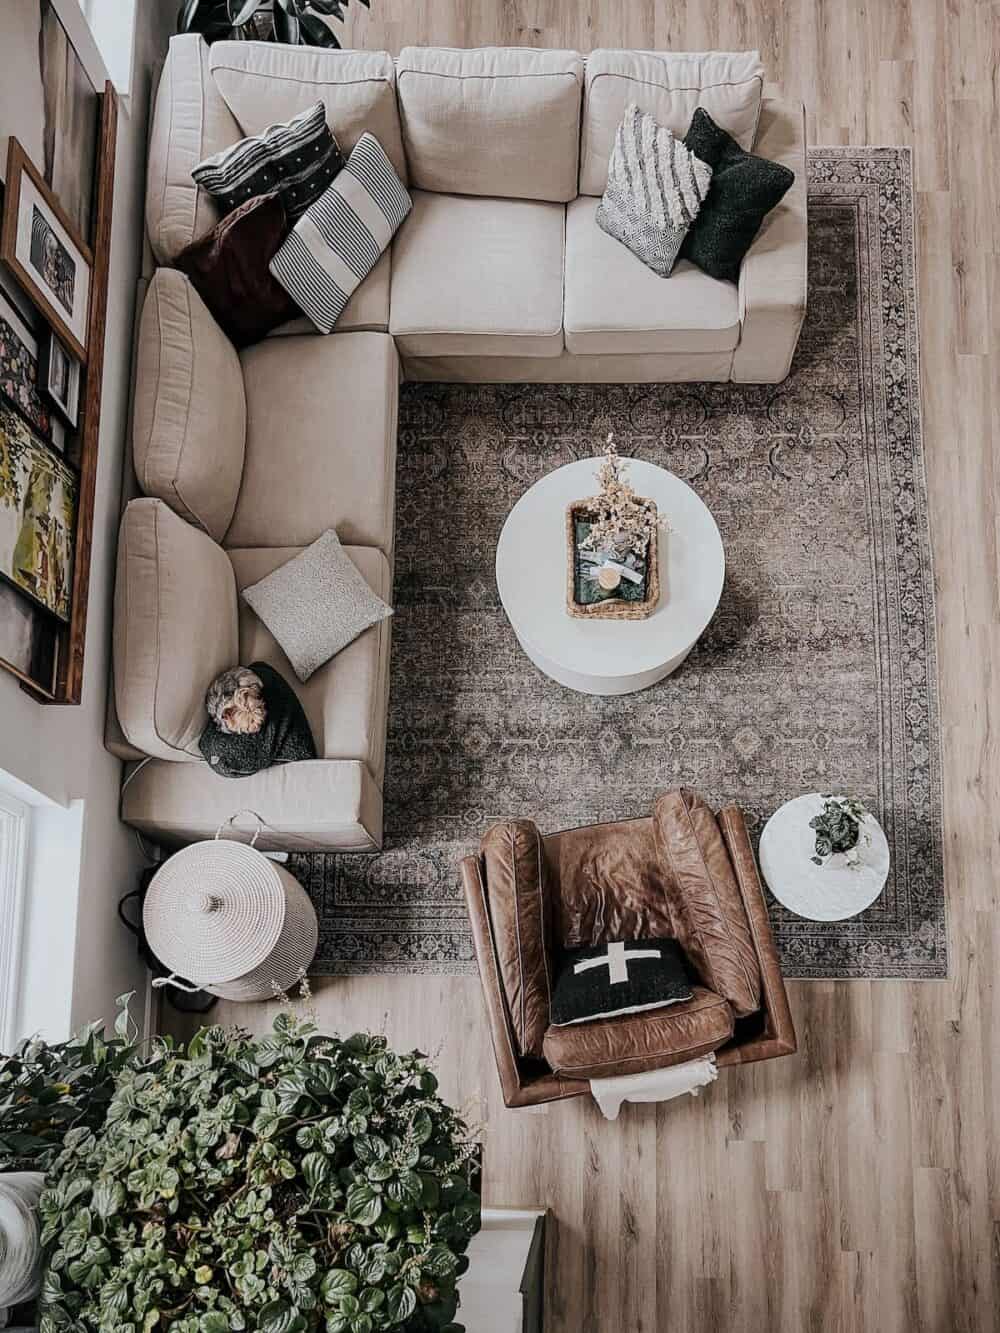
{"x":60,"y":377}
{"x":40,"y":246}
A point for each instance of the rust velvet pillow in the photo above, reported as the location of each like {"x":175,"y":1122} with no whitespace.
{"x":229,"y":270}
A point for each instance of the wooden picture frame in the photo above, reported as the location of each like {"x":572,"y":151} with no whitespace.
{"x":59,"y":377}
{"x":38,"y":233}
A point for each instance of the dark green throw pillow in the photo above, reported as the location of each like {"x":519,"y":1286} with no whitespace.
{"x":744,"y":189}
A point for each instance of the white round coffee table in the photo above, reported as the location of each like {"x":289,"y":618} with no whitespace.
{"x":832,"y":891}
{"x":608,"y":656}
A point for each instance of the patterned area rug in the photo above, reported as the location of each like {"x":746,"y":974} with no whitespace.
{"x":817,"y":673}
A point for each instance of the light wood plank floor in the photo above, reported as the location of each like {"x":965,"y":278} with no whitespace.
{"x":856,"y":1187}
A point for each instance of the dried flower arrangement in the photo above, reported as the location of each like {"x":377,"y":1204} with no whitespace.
{"x":612,"y":556}
{"x":838,"y":829}
{"x":624,"y":522}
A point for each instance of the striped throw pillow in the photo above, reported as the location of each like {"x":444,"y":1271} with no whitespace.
{"x":655,"y":189}
{"x":338,"y":241}
{"x":297,"y":159}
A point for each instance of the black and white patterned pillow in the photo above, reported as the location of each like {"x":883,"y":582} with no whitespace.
{"x":297,"y":159}
{"x":655,"y":190}
{"x":621,"y":977}
{"x":339,"y":240}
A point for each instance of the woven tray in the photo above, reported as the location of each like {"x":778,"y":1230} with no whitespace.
{"x":611,"y":608}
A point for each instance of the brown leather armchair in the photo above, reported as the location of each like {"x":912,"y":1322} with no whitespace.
{"x":684,"y":873}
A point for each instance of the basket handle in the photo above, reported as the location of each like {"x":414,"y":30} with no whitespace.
{"x":232,"y":820}
{"x":175,"y":981}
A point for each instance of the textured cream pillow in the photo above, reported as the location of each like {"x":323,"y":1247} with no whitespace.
{"x":316,"y":604}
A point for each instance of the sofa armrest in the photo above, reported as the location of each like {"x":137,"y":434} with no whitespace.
{"x":773,"y":277}
{"x":778,"y":1037}
{"x":519,"y":1086}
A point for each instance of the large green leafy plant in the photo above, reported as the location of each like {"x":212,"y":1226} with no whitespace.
{"x":283,"y":1183}
{"x":47,"y":1090}
{"x":297,"y":22}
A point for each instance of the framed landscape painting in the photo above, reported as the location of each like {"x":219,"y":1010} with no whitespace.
{"x":38,"y":498}
{"x":40,"y":246}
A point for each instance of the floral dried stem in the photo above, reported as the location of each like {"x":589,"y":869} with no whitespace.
{"x":624,"y":521}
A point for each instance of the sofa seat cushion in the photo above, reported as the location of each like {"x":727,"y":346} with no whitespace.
{"x":614,"y":303}
{"x":366,"y":312}
{"x":175,"y":628}
{"x":473,"y":276}
{"x":633,"y":1043}
{"x":500,"y":121}
{"x":321,"y":441}
{"x":706,"y":904}
{"x":345,"y":700}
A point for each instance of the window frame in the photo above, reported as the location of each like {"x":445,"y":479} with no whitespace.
{"x":15,"y":825}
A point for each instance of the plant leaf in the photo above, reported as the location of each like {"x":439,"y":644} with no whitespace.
{"x":280,"y":1317}
{"x":185,"y":16}
{"x":245,"y":11}
{"x":364,"y":1206}
{"x":317,"y":33}
{"x":337,"y":1284}
{"x":286,"y":27}
{"x":400,"y":1303}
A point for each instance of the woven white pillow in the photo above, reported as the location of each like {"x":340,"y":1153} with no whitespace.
{"x":656,"y":187}
{"x":316,"y":604}
{"x":340,"y":238}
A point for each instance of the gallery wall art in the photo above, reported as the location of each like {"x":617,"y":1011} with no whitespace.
{"x":56,"y":204}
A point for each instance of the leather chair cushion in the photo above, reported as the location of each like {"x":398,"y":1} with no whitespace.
{"x":653,"y":1039}
{"x":517,"y":886}
{"x":612,"y":885}
{"x":709,"y":916}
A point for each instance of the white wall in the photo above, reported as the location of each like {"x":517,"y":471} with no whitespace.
{"x":59,"y":750}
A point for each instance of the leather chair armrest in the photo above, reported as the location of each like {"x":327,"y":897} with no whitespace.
{"x":779,"y":1032}
{"x":773,"y":276}
{"x":519,"y":1088}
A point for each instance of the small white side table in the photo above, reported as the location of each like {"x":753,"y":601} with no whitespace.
{"x":608,"y":656}
{"x":833,"y":891}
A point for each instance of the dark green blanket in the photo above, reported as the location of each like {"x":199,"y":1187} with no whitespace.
{"x":283,"y":739}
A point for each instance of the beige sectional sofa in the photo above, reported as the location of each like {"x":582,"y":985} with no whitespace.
{"x":241,"y":459}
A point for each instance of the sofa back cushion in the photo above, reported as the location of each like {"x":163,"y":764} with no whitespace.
{"x":728,"y":84}
{"x":176,"y":628}
{"x":517,"y":888}
{"x":266,"y":82}
{"x":190,"y":122}
{"x":707,"y":907}
{"x":492,"y":121}
{"x":189,"y":421}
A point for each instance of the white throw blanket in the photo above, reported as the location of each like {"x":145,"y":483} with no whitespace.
{"x":656,"y":1085}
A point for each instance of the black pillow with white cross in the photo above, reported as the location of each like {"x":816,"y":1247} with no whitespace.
{"x":621,"y":977}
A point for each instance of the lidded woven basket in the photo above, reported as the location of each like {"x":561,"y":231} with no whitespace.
{"x":227,"y":918}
